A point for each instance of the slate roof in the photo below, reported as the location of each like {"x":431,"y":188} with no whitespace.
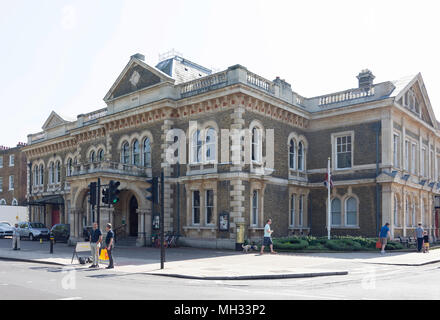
{"x":182,"y":70}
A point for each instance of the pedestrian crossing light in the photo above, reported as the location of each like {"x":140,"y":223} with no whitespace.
{"x":114,"y":192}
{"x":92,"y":193}
{"x":153,"y":190}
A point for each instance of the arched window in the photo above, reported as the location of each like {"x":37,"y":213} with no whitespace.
{"x":210,"y":144}
{"x":51,"y":173}
{"x":41,"y":175}
{"x":336,"y":212}
{"x":101,"y":155}
{"x":351,"y":212}
{"x":300,"y":156}
{"x":292,"y":154}
{"x":69,"y":167}
{"x":196,"y":149}
{"x":14,"y":202}
{"x":3,"y":202}
{"x":36,"y":180}
{"x":256,"y":144}
{"x":396,"y":211}
{"x":58,"y":172}
{"x":92,"y":156}
{"x":407,"y":212}
{"x":136,"y":153}
{"x":147,"y":153}
{"x":125,"y":153}
{"x":292,"y":210}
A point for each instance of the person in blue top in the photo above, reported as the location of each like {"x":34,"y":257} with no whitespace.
{"x":267,"y":240}
{"x":383,"y":236}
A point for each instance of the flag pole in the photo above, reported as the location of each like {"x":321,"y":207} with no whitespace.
{"x":328,"y":199}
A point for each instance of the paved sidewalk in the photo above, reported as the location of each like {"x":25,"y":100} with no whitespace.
{"x":221,"y":265}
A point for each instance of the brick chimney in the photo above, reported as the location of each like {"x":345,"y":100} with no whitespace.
{"x":365,"y":78}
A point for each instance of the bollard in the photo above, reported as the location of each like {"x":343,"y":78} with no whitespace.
{"x":41,"y":240}
{"x":51,"y":244}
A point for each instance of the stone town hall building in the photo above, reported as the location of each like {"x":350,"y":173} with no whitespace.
{"x":383,"y":139}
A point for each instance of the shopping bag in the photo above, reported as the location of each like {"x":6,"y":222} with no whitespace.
{"x":103,"y":255}
{"x":378,"y":244}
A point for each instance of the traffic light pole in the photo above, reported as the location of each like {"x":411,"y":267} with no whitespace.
{"x":162,"y":237}
{"x":98,"y":201}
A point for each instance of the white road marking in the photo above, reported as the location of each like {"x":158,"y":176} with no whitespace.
{"x":71,"y":298}
{"x":291,"y":293}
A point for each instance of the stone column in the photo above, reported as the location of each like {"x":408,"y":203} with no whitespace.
{"x":387,"y":139}
{"x":387,"y":207}
{"x":168,"y":171}
{"x":238,"y":161}
{"x":144,"y":227}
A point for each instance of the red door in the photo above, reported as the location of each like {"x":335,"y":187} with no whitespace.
{"x":436,"y":222}
{"x":55,"y":216}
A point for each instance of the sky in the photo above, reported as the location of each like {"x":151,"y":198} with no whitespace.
{"x":64,"y":56}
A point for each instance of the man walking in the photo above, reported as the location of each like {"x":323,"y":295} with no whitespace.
{"x":16,"y":238}
{"x":267,"y":240}
{"x":383,"y":236}
{"x":95,"y":244}
{"x":419,"y":236}
{"x":109,"y":244}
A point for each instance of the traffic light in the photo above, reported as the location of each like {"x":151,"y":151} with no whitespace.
{"x":105,"y":198}
{"x":153,"y":190}
{"x":114,"y":192}
{"x":92,"y":193}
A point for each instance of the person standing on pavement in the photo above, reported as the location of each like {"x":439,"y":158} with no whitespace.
{"x":267,"y":240}
{"x":16,"y":238}
{"x":109,"y":241}
{"x":383,"y":236}
{"x":419,"y":236}
{"x":95,"y":244}
{"x":425,"y":242}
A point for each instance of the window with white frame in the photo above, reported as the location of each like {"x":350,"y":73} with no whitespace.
{"x":196,"y":207}
{"x":413,"y":158}
{"x":292,"y":154}
{"x":69,"y":167}
{"x":1,"y":162}
{"x":343,"y":151}
{"x":336,"y":212}
{"x":147,"y":153}
{"x":300,"y":156}
{"x":210,"y":144}
{"x":14,"y":202}
{"x":256,"y":144}
{"x":11,"y":160}
{"x":136,"y":153}
{"x":2,"y":202}
{"x":11,"y":182}
{"x":396,"y":211}
{"x":406,"y":155}
{"x":292,"y":210}
{"x":351,"y":212}
{"x":422,"y":161}
{"x":209,"y":207}
{"x":396,"y":149}
{"x":432,"y":167}
{"x":300,"y":210}
{"x":254,"y":213}
{"x":58,"y":172}
{"x":51,"y":173}
{"x":196,"y":147}
{"x":36,"y":180}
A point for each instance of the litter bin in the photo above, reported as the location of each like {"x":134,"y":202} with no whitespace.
{"x":240,"y":236}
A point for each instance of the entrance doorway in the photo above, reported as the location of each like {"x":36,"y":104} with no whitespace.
{"x":55,"y":215}
{"x":133,"y":217}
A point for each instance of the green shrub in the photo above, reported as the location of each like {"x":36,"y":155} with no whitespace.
{"x":294,"y":244}
{"x":394,"y":246}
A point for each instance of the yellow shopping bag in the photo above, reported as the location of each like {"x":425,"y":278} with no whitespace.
{"x":103,"y":255}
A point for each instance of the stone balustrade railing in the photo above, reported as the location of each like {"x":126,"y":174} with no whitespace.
{"x":345,"y":96}
{"x":257,"y":81}
{"x":207,"y":83}
{"x":95,"y":115}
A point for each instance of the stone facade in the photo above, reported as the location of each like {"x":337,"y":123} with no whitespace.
{"x":246,"y":146}
{"x":13,"y":176}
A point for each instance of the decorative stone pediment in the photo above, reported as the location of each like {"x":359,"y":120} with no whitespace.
{"x":136,"y":75}
{"x":415,"y":98}
{"x":54,"y":120}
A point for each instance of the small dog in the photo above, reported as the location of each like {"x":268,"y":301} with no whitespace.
{"x":247,"y":248}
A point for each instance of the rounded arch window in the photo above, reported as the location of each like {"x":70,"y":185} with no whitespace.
{"x":351,"y":211}
{"x":196,"y":149}
{"x":136,"y":153}
{"x":100,"y":155}
{"x":336,"y":212}
{"x":125,"y":153}
{"x":210,"y":144}
{"x":147,"y":152}
{"x":292,"y":154}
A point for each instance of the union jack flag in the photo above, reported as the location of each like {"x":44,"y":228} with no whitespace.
{"x":326,"y":181}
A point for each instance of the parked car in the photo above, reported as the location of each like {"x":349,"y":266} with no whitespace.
{"x":6,"y":230}
{"x":61,"y":232}
{"x":33,"y":230}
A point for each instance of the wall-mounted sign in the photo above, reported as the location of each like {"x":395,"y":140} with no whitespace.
{"x":156,"y":222}
{"x":223,"y":221}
